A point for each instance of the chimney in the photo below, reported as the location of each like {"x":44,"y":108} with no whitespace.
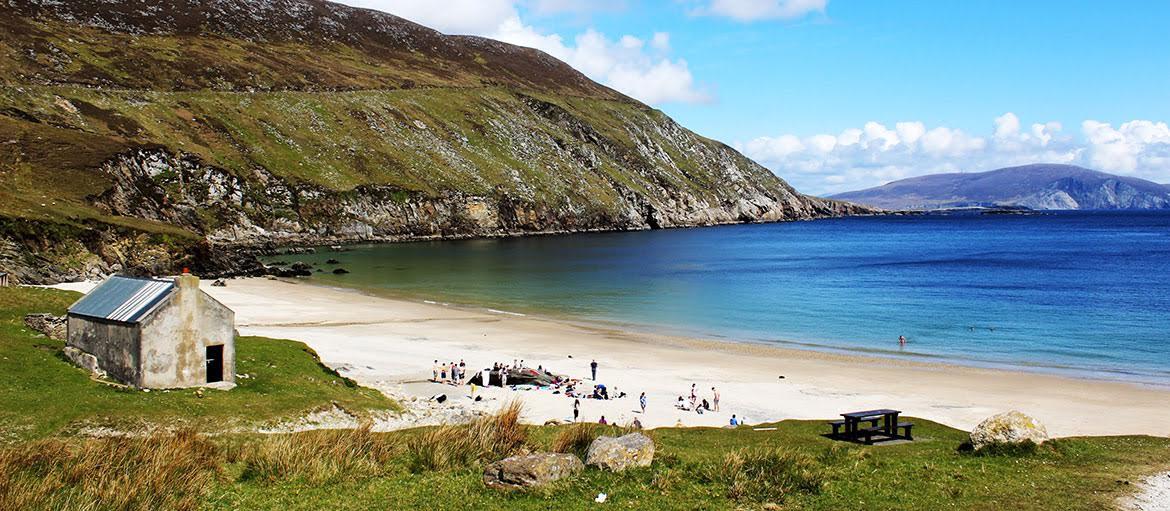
{"x":187,"y":281}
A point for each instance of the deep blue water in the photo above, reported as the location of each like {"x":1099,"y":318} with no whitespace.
{"x":1086,"y":293}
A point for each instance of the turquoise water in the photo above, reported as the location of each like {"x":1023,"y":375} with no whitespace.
{"x":1083,"y":293}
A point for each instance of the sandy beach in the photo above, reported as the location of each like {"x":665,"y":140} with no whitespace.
{"x":391,"y":344}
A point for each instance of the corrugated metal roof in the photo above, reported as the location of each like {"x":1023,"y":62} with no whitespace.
{"x":123,"y":299}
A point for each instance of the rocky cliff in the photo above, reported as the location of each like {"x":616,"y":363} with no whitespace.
{"x":149,"y":134}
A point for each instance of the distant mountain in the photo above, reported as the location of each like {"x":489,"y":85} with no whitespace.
{"x":1040,"y":186}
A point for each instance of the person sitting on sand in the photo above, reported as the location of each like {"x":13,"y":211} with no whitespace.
{"x":637,"y":424}
{"x":681,"y":404}
{"x":602,"y":420}
{"x":705,"y":405}
{"x":734,"y":421}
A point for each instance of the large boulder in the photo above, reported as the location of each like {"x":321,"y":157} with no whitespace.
{"x":620,"y":453}
{"x":1008,"y":428}
{"x":85,"y":361}
{"x":530,"y":470}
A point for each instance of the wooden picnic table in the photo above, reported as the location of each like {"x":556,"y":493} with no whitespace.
{"x":883,"y":422}
{"x":889,"y":419}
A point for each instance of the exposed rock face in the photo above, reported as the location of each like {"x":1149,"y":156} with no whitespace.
{"x":530,"y":470}
{"x":1007,"y":428}
{"x":53,"y":326}
{"x":180,"y":190}
{"x":620,"y":453}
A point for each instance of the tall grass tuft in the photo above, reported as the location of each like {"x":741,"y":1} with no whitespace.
{"x":316,"y":457}
{"x":577,"y":437}
{"x":771,"y":474}
{"x":485,"y":439}
{"x":161,"y":472}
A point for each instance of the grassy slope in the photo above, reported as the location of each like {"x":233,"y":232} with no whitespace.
{"x":928,"y":474}
{"x":326,"y":115}
{"x":45,"y":395}
{"x":335,"y":141}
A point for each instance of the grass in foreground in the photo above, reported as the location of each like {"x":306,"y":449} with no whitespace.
{"x":698,"y":468}
{"x":43,"y":395}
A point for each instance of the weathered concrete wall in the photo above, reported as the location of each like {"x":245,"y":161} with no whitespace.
{"x":217,"y":325}
{"x":175,"y":337}
{"x":115,"y":345}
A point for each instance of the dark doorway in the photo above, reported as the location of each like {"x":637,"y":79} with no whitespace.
{"x":214,"y":363}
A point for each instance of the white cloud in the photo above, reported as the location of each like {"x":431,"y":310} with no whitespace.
{"x":661,"y":41}
{"x":665,"y":81}
{"x":624,"y":63}
{"x":1133,"y":146}
{"x":448,"y":16}
{"x":1007,"y":126}
{"x":752,"y":10}
{"x":875,"y":153}
{"x":545,"y":7}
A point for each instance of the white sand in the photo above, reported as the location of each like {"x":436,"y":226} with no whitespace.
{"x":1153,"y":495}
{"x":390,"y":344}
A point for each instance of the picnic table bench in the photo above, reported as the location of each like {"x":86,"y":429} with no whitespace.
{"x":883,"y":423}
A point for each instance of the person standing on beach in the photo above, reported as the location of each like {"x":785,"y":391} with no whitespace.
{"x":694,"y":396}
{"x":593,"y":366}
{"x":435,"y":371}
{"x":576,"y":409}
{"x":504,"y":377}
{"x":642,"y":401}
{"x":715,"y":398}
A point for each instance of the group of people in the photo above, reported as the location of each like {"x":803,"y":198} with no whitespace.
{"x":450,"y":372}
{"x":456,"y":373}
{"x":697,"y":404}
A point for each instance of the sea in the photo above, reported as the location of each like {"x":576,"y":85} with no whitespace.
{"x":1085,"y":294}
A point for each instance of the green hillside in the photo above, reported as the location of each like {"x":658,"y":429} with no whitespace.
{"x":162,"y":133}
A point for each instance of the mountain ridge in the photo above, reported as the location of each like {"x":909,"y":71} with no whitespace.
{"x":156,"y":134}
{"x":1036,"y":186}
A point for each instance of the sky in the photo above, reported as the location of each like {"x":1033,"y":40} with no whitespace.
{"x":839,"y":95}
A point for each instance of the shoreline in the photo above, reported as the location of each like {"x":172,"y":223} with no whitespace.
{"x":714,"y":341}
{"x":389,"y":344}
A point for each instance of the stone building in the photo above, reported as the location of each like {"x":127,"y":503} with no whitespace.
{"x":152,"y":333}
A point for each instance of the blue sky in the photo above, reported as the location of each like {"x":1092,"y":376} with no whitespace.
{"x":836,"y":95}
